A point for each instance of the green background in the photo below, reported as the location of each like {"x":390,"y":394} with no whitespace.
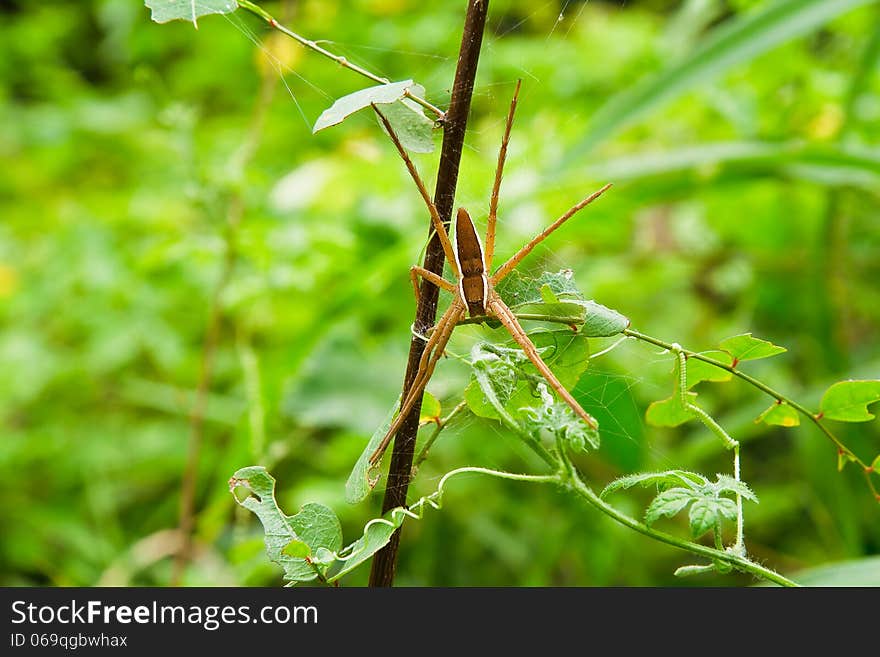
{"x":746,"y":199}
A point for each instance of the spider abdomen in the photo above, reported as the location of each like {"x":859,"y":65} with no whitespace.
{"x":474,"y":285}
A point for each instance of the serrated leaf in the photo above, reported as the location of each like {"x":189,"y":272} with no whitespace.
{"x":703,"y":516}
{"x":164,"y":11}
{"x":315,"y":525}
{"x":344,"y":107}
{"x":779,"y":414}
{"x":359,"y":485}
{"x":746,"y":347}
{"x":414,"y":130}
{"x":698,"y":370}
{"x":431,"y":409}
{"x":727,"y":484}
{"x":669,"y":412}
{"x":848,"y":401}
{"x":660,"y":479}
{"x":668,"y":503}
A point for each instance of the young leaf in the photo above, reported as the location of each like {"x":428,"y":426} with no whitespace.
{"x":698,"y":370}
{"x":284,"y":544}
{"x":412,"y":127}
{"x":557,"y":419}
{"x":848,"y":401}
{"x":875,"y":464}
{"x":163,"y":11}
{"x":779,"y":414}
{"x":669,"y":412}
{"x":727,"y":484}
{"x":358,"y":485}
{"x":430,"y":409}
{"x":660,"y":479}
{"x":745,"y":347}
{"x":347,"y":105}
{"x":668,"y":503}
{"x":707,"y":512}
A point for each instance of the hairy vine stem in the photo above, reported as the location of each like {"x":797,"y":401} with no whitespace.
{"x":815,"y":418}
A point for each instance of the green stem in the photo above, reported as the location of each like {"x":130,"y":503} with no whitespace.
{"x":813,"y":417}
{"x":737,"y":561}
{"x":339,"y":59}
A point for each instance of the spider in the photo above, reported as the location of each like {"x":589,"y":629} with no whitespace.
{"x":474,"y":292}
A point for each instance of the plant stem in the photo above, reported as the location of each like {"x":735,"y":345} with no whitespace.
{"x":778,"y":396}
{"x":384,"y":562}
{"x":339,"y":59}
{"x":576,"y":484}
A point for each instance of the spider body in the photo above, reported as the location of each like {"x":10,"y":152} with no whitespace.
{"x":474,"y":290}
{"x":474,"y":282}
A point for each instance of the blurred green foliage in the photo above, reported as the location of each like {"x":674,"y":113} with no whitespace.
{"x":748,"y":202}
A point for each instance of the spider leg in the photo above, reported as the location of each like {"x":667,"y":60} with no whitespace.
{"x":436,"y":221}
{"x":496,"y":187}
{"x":508,"y":319}
{"x":430,"y":356}
{"x":508,"y":266}
{"x":415,"y":271}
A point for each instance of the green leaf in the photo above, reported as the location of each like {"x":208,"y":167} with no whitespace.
{"x":669,"y":412}
{"x":560,"y":421}
{"x":359,"y":484}
{"x":727,"y":484}
{"x":344,"y":107}
{"x":668,"y":503}
{"x":698,"y":370}
{"x":706,"y":513}
{"x":414,"y":130}
{"x":732,"y":44}
{"x":848,"y":401}
{"x":517,"y":289}
{"x":431,"y":409}
{"x":163,"y":11}
{"x":315,"y":526}
{"x":318,"y":527}
{"x":297,"y":548}
{"x":661,"y":479}
{"x":875,"y":464}
{"x":779,"y":414}
{"x":376,"y":536}
{"x":601,"y":322}
{"x":858,"y":572}
{"x":745,"y":347}
{"x":566,"y":353}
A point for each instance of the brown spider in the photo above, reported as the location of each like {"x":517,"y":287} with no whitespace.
{"x":474,"y":294}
